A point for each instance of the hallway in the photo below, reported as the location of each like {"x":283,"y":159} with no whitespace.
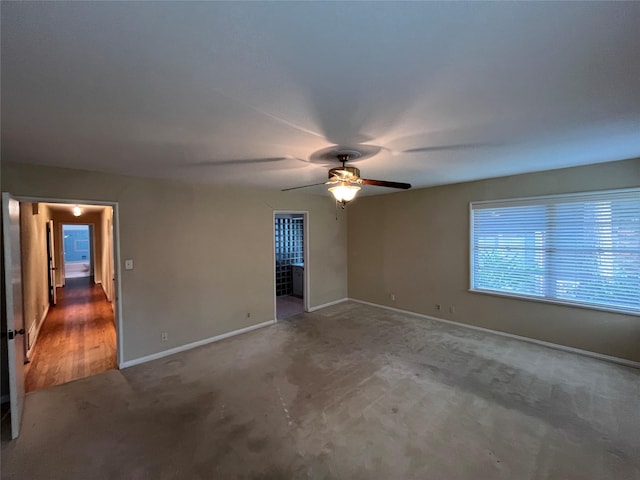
{"x":77,"y":339}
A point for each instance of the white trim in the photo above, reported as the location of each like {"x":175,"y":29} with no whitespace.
{"x":325,"y":305}
{"x":588,"y":193}
{"x":472,"y":257}
{"x":305,"y":253}
{"x":553,"y":301}
{"x":104,"y":291}
{"x":115,"y":238}
{"x":307,"y":264}
{"x":555,"y":346}
{"x":66,"y":201}
{"x":92,"y":250}
{"x":37,"y":326}
{"x":189,"y":346}
{"x":549,"y":296}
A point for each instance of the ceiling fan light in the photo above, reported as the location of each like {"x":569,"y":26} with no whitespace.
{"x":344,"y":192}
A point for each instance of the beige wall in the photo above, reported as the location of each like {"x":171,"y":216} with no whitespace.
{"x":203,"y":255}
{"x":416,"y":245}
{"x":35,"y":287}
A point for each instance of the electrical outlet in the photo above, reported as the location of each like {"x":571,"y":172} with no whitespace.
{"x":248,"y":314}
{"x":452,"y":309}
{"x":438,"y":307}
{"x":393,"y":297}
{"x":164,"y":336}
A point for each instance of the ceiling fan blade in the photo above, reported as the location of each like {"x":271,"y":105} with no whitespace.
{"x":304,"y":186}
{"x":384,"y":183}
{"x":441,"y":148}
{"x":239,"y":161}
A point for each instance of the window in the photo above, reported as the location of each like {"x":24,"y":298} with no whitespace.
{"x":581,"y":249}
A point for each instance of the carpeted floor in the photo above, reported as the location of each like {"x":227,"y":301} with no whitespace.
{"x":288,"y":306}
{"x":348,"y":392}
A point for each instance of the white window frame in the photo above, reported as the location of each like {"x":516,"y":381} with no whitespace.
{"x":532,"y":201}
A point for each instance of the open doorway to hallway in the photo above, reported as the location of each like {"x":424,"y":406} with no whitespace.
{"x":290,"y":266}
{"x":71,"y":333}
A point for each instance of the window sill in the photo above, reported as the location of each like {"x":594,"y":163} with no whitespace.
{"x":620,"y":311}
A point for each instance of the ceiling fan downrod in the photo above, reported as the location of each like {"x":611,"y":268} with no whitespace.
{"x":343,"y":157}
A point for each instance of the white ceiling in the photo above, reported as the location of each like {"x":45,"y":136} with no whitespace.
{"x":168,"y":89}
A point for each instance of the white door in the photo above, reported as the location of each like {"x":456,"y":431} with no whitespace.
{"x":13,"y":303}
{"x":51,"y":254}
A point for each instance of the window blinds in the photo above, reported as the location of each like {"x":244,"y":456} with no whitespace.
{"x":581,"y":249}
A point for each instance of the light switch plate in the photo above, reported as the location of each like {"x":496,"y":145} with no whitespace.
{"x":128,"y":264}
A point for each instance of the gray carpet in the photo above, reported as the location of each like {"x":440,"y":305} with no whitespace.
{"x":351,"y":392}
{"x":288,"y":306}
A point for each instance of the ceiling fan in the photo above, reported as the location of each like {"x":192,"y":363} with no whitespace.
{"x":346,"y":180}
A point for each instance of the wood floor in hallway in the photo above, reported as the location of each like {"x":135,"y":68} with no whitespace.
{"x":77,"y":339}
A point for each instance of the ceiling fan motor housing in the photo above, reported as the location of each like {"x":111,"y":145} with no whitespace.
{"x":347,"y":173}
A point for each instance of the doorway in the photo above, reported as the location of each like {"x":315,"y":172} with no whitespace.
{"x":42,"y":290}
{"x":290,"y":268}
{"x":77,"y":337}
{"x":77,"y":252}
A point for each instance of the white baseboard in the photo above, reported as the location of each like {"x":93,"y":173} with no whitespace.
{"x":104,"y":290}
{"x":325,"y":305}
{"x":189,"y":346}
{"x":33,"y":336}
{"x":555,"y":346}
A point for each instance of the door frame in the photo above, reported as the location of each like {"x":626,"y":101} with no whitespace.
{"x":51,"y":263}
{"x":92,"y":249}
{"x":92,"y":252}
{"x":305,"y":246}
{"x":119,"y":321}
